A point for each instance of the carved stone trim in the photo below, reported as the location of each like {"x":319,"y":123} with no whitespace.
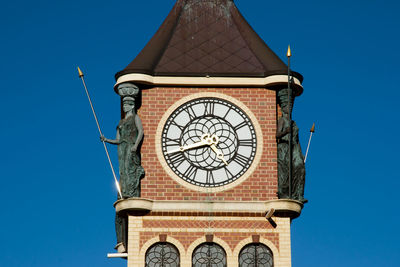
{"x":163,"y":237}
{"x":283,"y":207}
{"x":209,"y":238}
{"x":204,"y":81}
{"x":138,"y":204}
{"x":255,"y":238}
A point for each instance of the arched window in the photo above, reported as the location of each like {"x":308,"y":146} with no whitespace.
{"x":162,"y":255}
{"x":256,"y":255}
{"x":209,"y":255}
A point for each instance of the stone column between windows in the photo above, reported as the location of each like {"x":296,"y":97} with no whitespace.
{"x":134,"y":226}
{"x":285,"y":258}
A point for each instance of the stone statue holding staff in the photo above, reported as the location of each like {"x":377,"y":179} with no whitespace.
{"x":298,"y":167}
{"x":128,"y":139}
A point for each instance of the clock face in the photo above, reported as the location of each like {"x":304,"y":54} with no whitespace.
{"x":208,"y":142}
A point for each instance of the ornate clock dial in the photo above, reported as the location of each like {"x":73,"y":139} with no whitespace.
{"x":209,"y":142}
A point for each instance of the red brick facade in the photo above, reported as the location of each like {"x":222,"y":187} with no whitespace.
{"x":186,"y":239}
{"x":260,"y":186}
{"x":188,"y":228}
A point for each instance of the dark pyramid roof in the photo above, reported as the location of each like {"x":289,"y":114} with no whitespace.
{"x":206,"y":37}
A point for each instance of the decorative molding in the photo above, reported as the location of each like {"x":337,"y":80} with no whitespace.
{"x":285,"y":207}
{"x":205,"y":81}
{"x":138,"y":204}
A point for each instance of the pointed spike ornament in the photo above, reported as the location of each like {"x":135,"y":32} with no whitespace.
{"x":289,"y":52}
{"x":312,"y":130}
{"x":80,"y":73}
{"x":101,"y":134}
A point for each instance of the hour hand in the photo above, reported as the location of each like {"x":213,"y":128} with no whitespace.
{"x":220,"y":155}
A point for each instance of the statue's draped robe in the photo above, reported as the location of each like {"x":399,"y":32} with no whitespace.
{"x":130,"y":169}
{"x":298,"y":167}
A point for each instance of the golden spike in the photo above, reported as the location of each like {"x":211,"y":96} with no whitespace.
{"x":80,"y":73}
{"x":312,"y":128}
{"x":289,"y":52}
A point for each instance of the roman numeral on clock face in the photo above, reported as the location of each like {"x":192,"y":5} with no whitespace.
{"x":246,"y":142}
{"x":241,"y":160}
{"x":172,"y":142}
{"x":190,"y":112}
{"x":177,"y":125}
{"x":240,"y":125}
{"x":177,"y":159}
{"x":191,"y":173}
{"x":228,"y":173}
{"x":210,"y":177}
{"x":209,"y":108}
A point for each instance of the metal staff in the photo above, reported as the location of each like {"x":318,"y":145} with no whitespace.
{"x":289,"y":54}
{"x":312,"y":130}
{"x":101,"y":134}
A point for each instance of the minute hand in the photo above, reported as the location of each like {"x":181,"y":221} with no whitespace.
{"x":202,"y":142}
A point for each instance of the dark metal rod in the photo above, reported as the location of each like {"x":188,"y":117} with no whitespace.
{"x":309,"y":142}
{"x":101,"y":134}
{"x":308,"y":147}
{"x":290,"y":125}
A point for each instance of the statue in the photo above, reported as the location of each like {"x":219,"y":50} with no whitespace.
{"x":298,"y":166}
{"x":129,"y":136}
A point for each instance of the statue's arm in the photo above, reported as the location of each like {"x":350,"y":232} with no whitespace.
{"x":140,"y":129}
{"x":280,"y":131}
{"x":116,"y":141}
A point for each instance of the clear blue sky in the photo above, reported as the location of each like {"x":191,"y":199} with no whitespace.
{"x":57,"y":190}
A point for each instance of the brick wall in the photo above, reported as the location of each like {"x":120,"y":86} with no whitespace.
{"x":186,"y":233}
{"x":260,"y":186}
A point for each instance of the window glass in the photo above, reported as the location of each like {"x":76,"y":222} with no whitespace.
{"x":162,"y":255}
{"x":256,"y":255}
{"x":209,"y":255}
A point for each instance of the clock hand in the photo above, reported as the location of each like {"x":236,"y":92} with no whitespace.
{"x":205,"y":140}
{"x":220,"y":155}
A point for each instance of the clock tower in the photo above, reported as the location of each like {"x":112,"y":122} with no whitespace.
{"x":209,"y":108}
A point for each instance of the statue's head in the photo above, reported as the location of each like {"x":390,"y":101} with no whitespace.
{"x":283,"y":99}
{"x":128,"y":93}
{"x":128,"y":103}
{"x":127,"y":89}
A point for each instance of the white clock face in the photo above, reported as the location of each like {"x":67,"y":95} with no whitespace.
{"x":209,"y":142}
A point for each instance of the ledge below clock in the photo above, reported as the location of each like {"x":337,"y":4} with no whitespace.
{"x":283,"y":207}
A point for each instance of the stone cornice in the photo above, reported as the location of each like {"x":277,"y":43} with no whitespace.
{"x":207,"y":81}
{"x":284,"y":207}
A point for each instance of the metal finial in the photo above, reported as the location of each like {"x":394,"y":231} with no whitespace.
{"x":80,"y":73}
{"x":312,"y":130}
{"x":289,"y":52}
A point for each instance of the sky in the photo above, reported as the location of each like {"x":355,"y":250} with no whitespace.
{"x":57,"y":190}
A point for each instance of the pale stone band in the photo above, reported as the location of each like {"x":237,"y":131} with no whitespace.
{"x":279,"y":205}
{"x":205,"y":81}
